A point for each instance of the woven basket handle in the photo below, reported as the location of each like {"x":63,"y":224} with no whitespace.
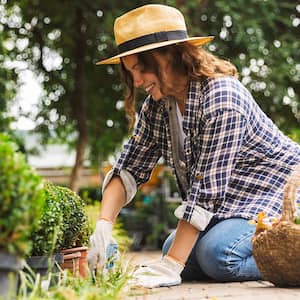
{"x":289,"y":195}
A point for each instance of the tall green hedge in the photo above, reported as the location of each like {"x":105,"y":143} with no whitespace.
{"x":21,"y":199}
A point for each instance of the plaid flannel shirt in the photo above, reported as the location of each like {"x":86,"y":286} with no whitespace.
{"x":237,"y":160}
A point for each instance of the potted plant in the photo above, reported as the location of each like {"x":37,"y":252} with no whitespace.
{"x":63,"y":225}
{"x":45,"y":237}
{"x":21,"y":199}
{"x":76,"y":232}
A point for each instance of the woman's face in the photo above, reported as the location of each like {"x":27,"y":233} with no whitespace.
{"x":147,"y":80}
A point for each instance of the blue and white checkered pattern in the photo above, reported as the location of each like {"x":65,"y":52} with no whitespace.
{"x":237,"y":160}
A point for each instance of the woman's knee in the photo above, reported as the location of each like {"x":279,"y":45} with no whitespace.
{"x":211,"y":259}
{"x":227,"y":256}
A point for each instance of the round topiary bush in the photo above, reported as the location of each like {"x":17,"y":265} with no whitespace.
{"x":75,"y":224}
{"x":49,"y":231}
{"x":63,"y":223}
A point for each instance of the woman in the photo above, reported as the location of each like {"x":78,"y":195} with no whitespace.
{"x":229,"y":159}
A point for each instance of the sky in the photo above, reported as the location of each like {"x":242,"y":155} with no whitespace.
{"x":26,"y":101}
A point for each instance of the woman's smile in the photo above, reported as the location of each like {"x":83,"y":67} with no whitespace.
{"x":142,"y":78}
{"x":149,"y":88}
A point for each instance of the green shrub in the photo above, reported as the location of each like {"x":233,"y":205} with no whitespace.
{"x":21,"y":199}
{"x":49,"y":229}
{"x":63,"y":223}
{"x":75,"y":224}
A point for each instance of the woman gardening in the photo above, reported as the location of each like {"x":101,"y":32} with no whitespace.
{"x":229,"y":159}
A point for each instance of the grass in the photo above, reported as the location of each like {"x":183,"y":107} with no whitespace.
{"x":112,"y":285}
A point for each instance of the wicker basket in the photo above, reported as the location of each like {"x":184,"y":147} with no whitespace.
{"x":277,"y":250}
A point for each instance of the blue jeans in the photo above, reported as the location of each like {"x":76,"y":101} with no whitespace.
{"x":223,"y":252}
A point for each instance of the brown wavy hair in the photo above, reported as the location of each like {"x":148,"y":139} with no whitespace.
{"x":186,"y":59}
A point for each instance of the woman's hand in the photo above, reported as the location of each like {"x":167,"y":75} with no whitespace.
{"x":114,"y":197}
{"x":162,"y":273}
{"x":100,"y":239}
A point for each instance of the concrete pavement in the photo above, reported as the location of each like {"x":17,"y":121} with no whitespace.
{"x":249,"y":290}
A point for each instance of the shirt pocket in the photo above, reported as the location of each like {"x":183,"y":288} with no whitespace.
{"x":248,"y":163}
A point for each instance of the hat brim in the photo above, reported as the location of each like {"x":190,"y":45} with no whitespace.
{"x":197,"y":41}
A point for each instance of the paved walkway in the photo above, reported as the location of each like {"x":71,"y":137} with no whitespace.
{"x":250,"y":290}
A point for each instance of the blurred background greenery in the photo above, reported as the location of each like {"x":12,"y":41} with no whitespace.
{"x":81,"y":104}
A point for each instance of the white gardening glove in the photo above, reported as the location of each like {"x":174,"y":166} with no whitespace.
{"x":162,"y":273}
{"x":99,"y":240}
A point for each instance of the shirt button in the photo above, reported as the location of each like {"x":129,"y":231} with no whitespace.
{"x":199,"y":176}
{"x":181,"y":164}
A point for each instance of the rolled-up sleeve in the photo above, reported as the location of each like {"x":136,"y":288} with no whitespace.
{"x":127,"y":180}
{"x":220,"y":140}
{"x":139,"y":155}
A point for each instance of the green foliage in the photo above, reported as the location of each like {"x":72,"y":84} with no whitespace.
{"x":7,"y":86}
{"x":63,"y":223}
{"x":49,"y":229}
{"x":82,"y":97}
{"x":294,"y":134}
{"x":90,"y":195}
{"x":75,"y":222}
{"x":21,"y":199}
{"x":262,"y":39}
{"x":110,"y":286}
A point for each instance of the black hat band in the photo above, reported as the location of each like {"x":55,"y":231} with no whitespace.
{"x":152,"y":38}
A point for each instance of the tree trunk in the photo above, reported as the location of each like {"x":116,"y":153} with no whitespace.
{"x":78,"y":167}
{"x":78,"y":102}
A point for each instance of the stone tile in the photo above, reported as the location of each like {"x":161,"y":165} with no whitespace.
{"x":249,"y":290}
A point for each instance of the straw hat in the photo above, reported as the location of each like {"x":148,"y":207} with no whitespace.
{"x":149,"y":27}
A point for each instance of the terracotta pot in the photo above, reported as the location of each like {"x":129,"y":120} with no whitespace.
{"x":75,"y":261}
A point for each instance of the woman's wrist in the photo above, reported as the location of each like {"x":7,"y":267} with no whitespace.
{"x":184,"y":241}
{"x":172,"y":257}
{"x":106,"y":219}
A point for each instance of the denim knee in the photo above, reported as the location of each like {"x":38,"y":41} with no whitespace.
{"x":214,"y":262}
{"x":228,"y":259}
{"x":168,"y":242}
